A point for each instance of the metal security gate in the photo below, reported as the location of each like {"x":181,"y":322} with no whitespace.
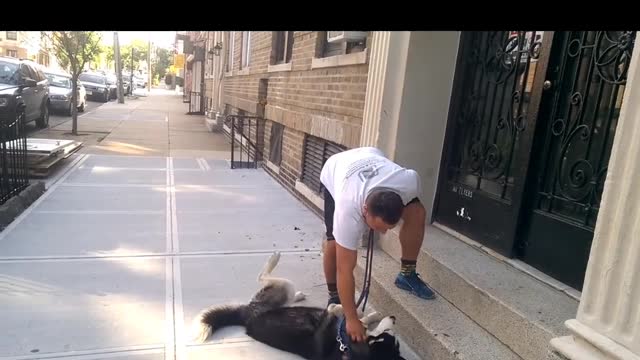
{"x":196,"y":95}
{"x":489,"y":135}
{"x":195,"y":103}
{"x":577,"y":123}
{"x":530,"y":130}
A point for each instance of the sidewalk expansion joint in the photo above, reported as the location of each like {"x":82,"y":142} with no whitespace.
{"x":93,"y":353}
{"x":310,"y":251}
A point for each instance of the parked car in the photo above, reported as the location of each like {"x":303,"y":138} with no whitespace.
{"x":112,"y":81}
{"x":24,"y":92}
{"x":95,"y":85}
{"x":126,"y":85}
{"x":60,"y":92}
{"x":140,"y":81}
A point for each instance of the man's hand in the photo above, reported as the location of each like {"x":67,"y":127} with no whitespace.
{"x":355,"y":330}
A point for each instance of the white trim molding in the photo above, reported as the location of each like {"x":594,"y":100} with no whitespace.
{"x":273,"y":167}
{"x":279,"y":67}
{"x":309,"y":194}
{"x":340,"y":60}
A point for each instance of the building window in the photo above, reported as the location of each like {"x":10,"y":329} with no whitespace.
{"x":275,"y":143}
{"x":282,"y":46}
{"x":246,"y":49}
{"x":230,"y":50}
{"x":316,"y":153}
{"x":43,"y":58}
{"x":12,"y":53}
{"x":341,"y":47}
{"x":12,"y":35}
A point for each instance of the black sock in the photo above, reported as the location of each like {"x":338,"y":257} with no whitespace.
{"x":408,"y":267}
{"x":333,"y":290}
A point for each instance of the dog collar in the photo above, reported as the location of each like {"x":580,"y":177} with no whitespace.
{"x":343,"y":339}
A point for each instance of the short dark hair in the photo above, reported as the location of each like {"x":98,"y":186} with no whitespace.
{"x":387,"y":205}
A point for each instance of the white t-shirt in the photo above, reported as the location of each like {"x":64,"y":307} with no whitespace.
{"x":350,"y":176}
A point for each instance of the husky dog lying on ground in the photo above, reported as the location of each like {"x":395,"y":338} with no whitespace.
{"x":311,"y":332}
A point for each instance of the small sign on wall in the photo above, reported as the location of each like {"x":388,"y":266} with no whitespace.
{"x":467,"y":193}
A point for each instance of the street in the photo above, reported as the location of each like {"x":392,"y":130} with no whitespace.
{"x":146,"y":227}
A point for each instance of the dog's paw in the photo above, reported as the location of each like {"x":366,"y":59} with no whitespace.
{"x":373,"y":317}
{"x":335,"y":309}
{"x":299,"y":296}
{"x":387,"y":325}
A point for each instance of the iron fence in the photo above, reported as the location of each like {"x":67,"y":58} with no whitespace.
{"x":247,"y":133}
{"x":14,"y":176}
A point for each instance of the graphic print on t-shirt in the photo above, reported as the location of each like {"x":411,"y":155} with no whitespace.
{"x":366,"y":169}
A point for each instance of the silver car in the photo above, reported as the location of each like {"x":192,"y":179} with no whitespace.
{"x":60,"y":92}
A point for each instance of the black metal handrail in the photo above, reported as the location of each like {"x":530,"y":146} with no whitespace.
{"x":247,"y":134}
{"x":14,"y":169}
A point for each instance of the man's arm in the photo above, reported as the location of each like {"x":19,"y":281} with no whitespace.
{"x":346,"y":263}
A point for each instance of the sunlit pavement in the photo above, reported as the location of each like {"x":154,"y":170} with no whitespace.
{"x":138,"y":235}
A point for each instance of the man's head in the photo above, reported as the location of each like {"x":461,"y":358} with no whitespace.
{"x":383,"y":210}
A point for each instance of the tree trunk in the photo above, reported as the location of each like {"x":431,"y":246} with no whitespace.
{"x":74,"y":105}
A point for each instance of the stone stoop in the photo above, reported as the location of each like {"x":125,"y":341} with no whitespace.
{"x":487,"y":308}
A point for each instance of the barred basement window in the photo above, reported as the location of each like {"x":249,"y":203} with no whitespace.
{"x":12,"y":35}
{"x":275,"y":143}
{"x":316,"y":153}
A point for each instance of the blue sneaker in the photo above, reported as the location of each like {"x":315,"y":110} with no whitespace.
{"x":415,"y":285}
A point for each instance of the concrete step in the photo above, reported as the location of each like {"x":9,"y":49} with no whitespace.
{"x":520,"y":310}
{"x":434,"y":329}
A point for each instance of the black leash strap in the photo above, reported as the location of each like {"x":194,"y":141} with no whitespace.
{"x":366,"y":283}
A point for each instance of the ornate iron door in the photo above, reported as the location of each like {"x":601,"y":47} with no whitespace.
{"x":498,"y":85}
{"x":577,"y":123}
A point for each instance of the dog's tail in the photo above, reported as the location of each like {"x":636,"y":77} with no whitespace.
{"x":271,"y":264}
{"x":218,"y":317}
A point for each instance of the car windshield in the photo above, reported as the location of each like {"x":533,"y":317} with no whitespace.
{"x":93,"y":78}
{"x":59,"y":81}
{"x":9,"y":73}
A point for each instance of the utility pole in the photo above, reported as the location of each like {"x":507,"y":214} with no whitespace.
{"x":116,"y":50}
{"x":133,"y":85}
{"x":149,"y":72}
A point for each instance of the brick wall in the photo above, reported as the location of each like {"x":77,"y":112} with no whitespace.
{"x":327,"y":102}
{"x":324,"y":102}
{"x":291,"y":166}
{"x":305,"y":47}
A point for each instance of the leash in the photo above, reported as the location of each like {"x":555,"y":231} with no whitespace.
{"x":342,"y":338}
{"x":366,"y":283}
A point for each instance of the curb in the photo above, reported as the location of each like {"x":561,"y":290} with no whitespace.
{"x":17,"y":204}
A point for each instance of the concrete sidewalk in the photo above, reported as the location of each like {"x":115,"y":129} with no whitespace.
{"x":147,"y":228}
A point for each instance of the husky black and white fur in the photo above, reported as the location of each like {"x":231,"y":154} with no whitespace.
{"x":310,"y":332}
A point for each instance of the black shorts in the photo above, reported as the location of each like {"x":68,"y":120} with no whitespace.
{"x":330,"y":207}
